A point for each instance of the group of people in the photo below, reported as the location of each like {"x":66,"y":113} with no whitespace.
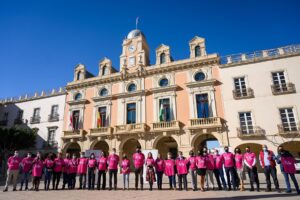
{"x":209,"y":165}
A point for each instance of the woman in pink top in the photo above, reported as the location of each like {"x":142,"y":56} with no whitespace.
{"x":228,"y":158}
{"x":238,"y":160}
{"x":201,"y":164}
{"x":37,"y":170}
{"x":150,"y":173}
{"x":210,"y":183}
{"x":73,"y":163}
{"x":192,"y":169}
{"x":92,"y":164}
{"x":113,"y":162}
{"x":26,"y":165}
{"x":250,"y":163}
{"x":170,"y":171}
{"x":159,"y":168}
{"x":58,"y":167}
{"x":102,"y":169}
{"x":66,"y":176}
{"x":81,"y":171}
{"x":49,"y":165}
{"x":125,"y":170}
{"x":182,"y":170}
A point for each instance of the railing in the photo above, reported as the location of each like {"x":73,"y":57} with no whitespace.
{"x":291,"y":128}
{"x":164,"y":126}
{"x":35,"y":120}
{"x":3,"y":122}
{"x":285,"y":88}
{"x":243,"y":93}
{"x":72,"y":134}
{"x":260,"y":55}
{"x":53,"y":117}
{"x":101,"y":131}
{"x":251,"y":131}
{"x":205,"y":122}
{"x":139,"y":127}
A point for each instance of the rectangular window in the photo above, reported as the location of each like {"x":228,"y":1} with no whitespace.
{"x":75,"y":119}
{"x":164,"y":110}
{"x":20,"y":114}
{"x":246,"y":124}
{"x":279,"y":81}
{"x":36,"y":112}
{"x":54,"y":110}
{"x":202,"y":105}
{"x":101,"y":117}
{"x":5,"y":118}
{"x":240,"y":87}
{"x":131,"y":113}
{"x":51,"y":136}
{"x":288,"y":119}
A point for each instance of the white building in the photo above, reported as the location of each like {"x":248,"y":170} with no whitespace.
{"x":261,"y":98}
{"x":43,"y":112}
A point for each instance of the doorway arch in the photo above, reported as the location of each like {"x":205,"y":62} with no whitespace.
{"x":165,"y":144}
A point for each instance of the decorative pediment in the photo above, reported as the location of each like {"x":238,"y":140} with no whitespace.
{"x":163,"y":54}
{"x":197,"y":47}
{"x":105,"y":67}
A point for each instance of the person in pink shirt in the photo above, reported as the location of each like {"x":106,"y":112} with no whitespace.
{"x":92,"y":165}
{"x":57,"y":170}
{"x":81,"y":170}
{"x":170,"y":171}
{"x":26,"y":165}
{"x":49,"y":165}
{"x":201,"y":164}
{"x":138,"y":161}
{"x":125,"y":170}
{"x":182,"y":170}
{"x":113,"y":162}
{"x":66,"y":176}
{"x":228,"y":158}
{"x":159,"y":168}
{"x":37,"y":170}
{"x":210,"y":183}
{"x":218,"y":170}
{"x":13,"y":164}
{"x":72,"y":165}
{"x":250,"y":163}
{"x":192,"y":169}
{"x":150,"y":173}
{"x":102,"y":169}
{"x":238,"y":160}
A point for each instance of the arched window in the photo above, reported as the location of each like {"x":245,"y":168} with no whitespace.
{"x":78,"y":75}
{"x":199,"y":76}
{"x":103,"y":92}
{"x":104,"y":70}
{"x":77,"y":96}
{"x":197,"y":51}
{"x":131,"y":87}
{"x":162,"y":58}
{"x":163,"y":82}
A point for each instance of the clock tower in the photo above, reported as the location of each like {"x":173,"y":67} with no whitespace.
{"x":135,"y":51}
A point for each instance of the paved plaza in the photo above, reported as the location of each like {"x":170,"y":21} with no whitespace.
{"x":146,"y":194}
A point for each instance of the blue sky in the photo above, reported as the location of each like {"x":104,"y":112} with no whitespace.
{"x":42,"y":41}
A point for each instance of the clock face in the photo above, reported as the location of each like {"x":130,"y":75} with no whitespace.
{"x":131,"y":48}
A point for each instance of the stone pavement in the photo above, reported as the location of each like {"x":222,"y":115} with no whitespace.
{"x":146,"y":194}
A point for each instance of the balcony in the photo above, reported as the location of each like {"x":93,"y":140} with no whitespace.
{"x":251,"y":132}
{"x":100,"y":132}
{"x":130,"y":128}
{"x":204,"y":123}
{"x":75,"y":134}
{"x":35,"y":120}
{"x":286,"y":88}
{"x":165,"y":126}
{"x":3,"y":122}
{"x":53,"y":117}
{"x":291,"y":129}
{"x":243,"y":94}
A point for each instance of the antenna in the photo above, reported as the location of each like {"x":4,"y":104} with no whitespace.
{"x":136,"y":22}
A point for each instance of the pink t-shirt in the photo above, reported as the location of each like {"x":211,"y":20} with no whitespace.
{"x":238,"y":161}
{"x":82,"y":165}
{"x":170,"y":167}
{"x":192,"y":162}
{"x":73,"y":166}
{"x":288,"y":164}
{"x":92,"y":163}
{"x":159,"y":165}
{"x":13,"y":163}
{"x":138,"y":160}
{"x":102,"y":163}
{"x":150,"y":161}
{"x":113,"y":161}
{"x":181,"y":165}
{"x":48,"y":163}
{"x":228,"y":159}
{"x":125,"y":165}
{"x":37,"y":168}
{"x":210,"y":162}
{"x":218,"y":161}
{"x":249,"y":158}
{"x":58,"y":164}
{"x":201,"y":162}
{"x":66,"y":165}
{"x":27,"y":164}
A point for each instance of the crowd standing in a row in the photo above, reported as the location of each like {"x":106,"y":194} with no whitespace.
{"x":208,"y":165}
